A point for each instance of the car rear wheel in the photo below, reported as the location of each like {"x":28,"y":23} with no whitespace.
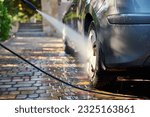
{"x":99,"y":78}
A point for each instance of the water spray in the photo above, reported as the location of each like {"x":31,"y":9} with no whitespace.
{"x":78,"y":39}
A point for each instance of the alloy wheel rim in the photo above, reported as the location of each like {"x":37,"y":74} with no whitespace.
{"x":91,"y":63}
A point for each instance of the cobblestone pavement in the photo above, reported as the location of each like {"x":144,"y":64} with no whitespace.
{"x":19,"y":80}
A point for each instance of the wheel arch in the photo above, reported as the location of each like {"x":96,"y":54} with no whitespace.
{"x":87,"y":22}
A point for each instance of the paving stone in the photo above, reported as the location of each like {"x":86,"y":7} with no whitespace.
{"x":45,"y":84}
{"x":36,"y":79}
{"x":7,"y":97}
{"x":10,"y":83}
{"x":25,"y":73}
{"x":5,"y":80}
{"x":26,"y":82}
{"x":40,"y":91}
{"x":45,"y":87}
{"x":17,"y":79}
{"x":37,"y":74}
{"x":4,"y":77}
{"x":67,"y":97}
{"x":26,"y":77}
{"x":21,"y":97}
{"x":55,"y":98}
{"x":45,"y":95}
{"x":15,"y":75}
{"x":12,"y":89}
{"x":32,"y":77}
{"x":37,"y":84}
{"x":43,"y":98}
{"x":27,"y":92}
{"x":27,"y":88}
{"x":22,"y":85}
{"x":33,"y":95}
{"x":5,"y":86}
{"x":1,"y":83}
{"x":14,"y":92}
{"x":5,"y":93}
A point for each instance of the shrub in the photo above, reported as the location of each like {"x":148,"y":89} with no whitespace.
{"x":5,"y":22}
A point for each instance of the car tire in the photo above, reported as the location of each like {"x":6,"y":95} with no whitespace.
{"x":99,"y":78}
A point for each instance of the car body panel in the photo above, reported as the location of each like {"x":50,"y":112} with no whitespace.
{"x":122,"y":28}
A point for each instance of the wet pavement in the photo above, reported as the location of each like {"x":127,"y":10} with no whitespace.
{"x":21,"y":81}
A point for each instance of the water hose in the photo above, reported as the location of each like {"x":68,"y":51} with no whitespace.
{"x":29,"y":4}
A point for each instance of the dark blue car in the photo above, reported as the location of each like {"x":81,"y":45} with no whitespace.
{"x":118,"y":32}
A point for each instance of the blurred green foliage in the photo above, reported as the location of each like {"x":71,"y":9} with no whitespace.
{"x":25,"y":13}
{"x":11,"y":6}
{"x":12,"y":11}
{"x":5,"y":22}
{"x":20,"y":12}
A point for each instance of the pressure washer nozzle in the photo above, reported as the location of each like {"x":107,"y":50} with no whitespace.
{"x":29,"y":4}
